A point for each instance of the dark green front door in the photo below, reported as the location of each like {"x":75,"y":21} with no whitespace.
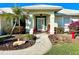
{"x":41,"y":23}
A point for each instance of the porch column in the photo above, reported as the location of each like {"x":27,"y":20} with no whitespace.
{"x":52,"y":17}
{"x":32,"y":20}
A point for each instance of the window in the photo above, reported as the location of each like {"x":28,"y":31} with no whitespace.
{"x":66,"y":19}
{"x":58,"y":20}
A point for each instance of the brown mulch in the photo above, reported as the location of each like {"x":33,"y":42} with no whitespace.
{"x":9,"y":46}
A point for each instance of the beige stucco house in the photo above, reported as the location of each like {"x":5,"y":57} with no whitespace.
{"x":39,"y":16}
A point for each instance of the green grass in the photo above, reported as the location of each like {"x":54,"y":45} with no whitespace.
{"x":27,"y":36}
{"x":3,"y":37}
{"x":64,"y":49}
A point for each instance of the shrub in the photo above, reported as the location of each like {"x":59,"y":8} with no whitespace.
{"x":26,"y":37}
{"x":74,"y":26}
{"x":59,"y":30}
{"x":16,"y":29}
{"x":31,"y":37}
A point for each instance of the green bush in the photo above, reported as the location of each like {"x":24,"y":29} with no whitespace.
{"x":59,"y":30}
{"x":30,"y":36}
{"x":16,"y":29}
{"x":25,"y":36}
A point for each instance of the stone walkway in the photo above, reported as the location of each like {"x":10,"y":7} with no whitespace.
{"x":41,"y":46}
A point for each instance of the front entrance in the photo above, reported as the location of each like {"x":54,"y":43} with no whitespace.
{"x":41,"y":23}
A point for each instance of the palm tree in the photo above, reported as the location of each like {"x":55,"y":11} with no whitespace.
{"x":17,"y":15}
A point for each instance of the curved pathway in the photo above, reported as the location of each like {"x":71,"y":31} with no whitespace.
{"x":41,"y":46}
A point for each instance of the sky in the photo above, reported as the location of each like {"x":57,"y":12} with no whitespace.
{"x":74,"y":6}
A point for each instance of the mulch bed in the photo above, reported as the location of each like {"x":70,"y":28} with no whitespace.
{"x":8,"y":44}
{"x":55,"y":38}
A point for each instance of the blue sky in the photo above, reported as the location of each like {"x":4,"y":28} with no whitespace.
{"x":74,"y":6}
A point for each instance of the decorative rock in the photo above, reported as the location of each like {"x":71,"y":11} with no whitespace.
{"x":16,"y":43}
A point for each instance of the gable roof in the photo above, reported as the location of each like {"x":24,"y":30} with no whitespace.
{"x":68,"y":12}
{"x":1,"y":11}
{"x":43,"y":7}
{"x":6,"y":10}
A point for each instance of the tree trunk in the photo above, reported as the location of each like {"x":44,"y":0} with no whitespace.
{"x":13,"y":28}
{"x":19,"y":25}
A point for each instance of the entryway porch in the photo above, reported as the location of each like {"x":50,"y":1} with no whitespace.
{"x":41,"y":22}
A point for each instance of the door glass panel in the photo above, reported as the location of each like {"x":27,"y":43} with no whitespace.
{"x":41,"y":24}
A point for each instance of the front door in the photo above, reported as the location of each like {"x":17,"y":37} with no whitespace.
{"x":41,"y":23}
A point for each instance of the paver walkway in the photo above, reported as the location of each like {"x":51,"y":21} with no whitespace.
{"x":41,"y":46}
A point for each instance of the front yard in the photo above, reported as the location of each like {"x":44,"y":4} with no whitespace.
{"x":65,"y":47}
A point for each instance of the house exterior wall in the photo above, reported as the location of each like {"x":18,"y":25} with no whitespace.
{"x":5,"y":25}
{"x":58,"y":21}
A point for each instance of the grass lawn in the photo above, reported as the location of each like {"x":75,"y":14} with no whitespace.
{"x":28,"y":36}
{"x":3,"y":37}
{"x":64,"y":49}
